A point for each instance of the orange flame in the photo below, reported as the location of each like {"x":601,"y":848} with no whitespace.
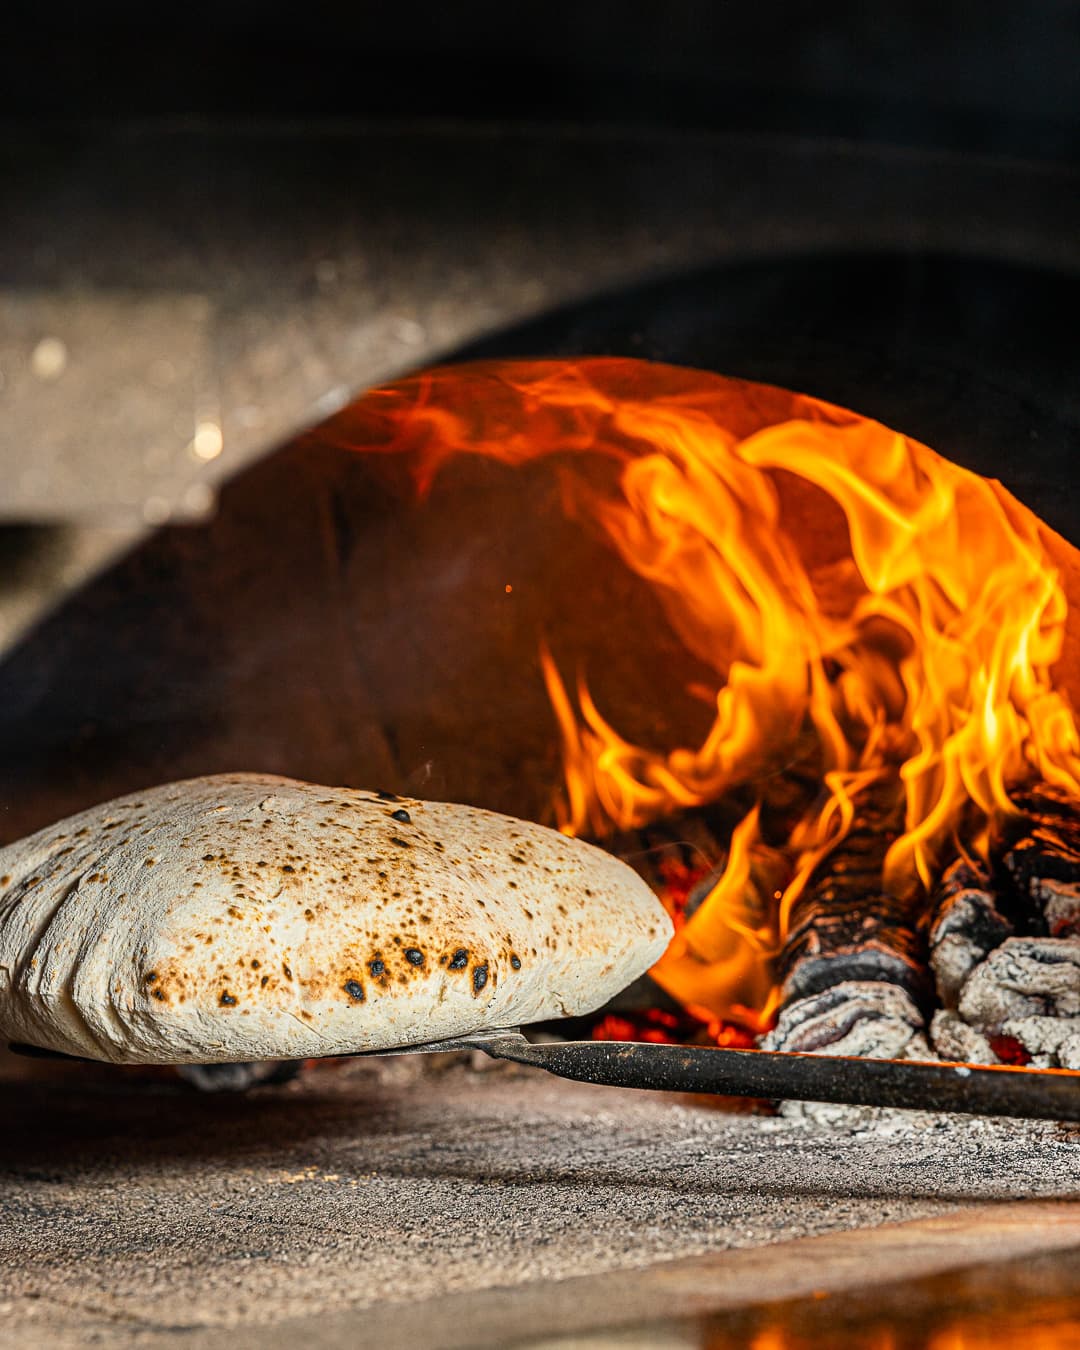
{"x":923,"y":651}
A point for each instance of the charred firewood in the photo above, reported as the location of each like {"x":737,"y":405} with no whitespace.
{"x":1040,"y":852}
{"x":834,"y":941}
{"x":853,"y":967}
{"x":965,"y":926}
{"x":845,"y":926}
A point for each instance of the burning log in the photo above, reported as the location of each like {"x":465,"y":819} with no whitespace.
{"x":852,"y":968}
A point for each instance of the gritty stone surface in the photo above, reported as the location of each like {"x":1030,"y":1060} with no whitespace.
{"x":133,"y":1206}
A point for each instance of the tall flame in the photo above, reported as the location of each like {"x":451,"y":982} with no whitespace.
{"x":923,"y":652}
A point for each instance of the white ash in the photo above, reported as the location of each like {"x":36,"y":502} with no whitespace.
{"x":858,"y":1017}
{"x":954,"y":1039}
{"x":1069,"y":1053}
{"x":1024,"y":977}
{"x":1045,"y":1039}
{"x":1028,"y":991}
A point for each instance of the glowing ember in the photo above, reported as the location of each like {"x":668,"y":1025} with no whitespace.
{"x":695,"y":1025}
{"x":1009,"y":1050}
{"x":919,"y":651}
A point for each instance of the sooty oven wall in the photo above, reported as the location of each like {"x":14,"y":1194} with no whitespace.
{"x":324,"y":626}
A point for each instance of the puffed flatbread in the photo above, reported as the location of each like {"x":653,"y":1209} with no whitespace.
{"x":247,"y":917}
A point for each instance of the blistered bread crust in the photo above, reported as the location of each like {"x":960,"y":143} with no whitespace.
{"x":246,"y":917}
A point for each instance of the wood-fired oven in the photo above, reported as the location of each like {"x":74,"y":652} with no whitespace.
{"x":658,"y":426}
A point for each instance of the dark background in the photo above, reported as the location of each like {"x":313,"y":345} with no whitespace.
{"x":993,"y":77}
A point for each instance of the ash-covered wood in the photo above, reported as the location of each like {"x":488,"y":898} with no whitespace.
{"x":965,"y":925}
{"x":1026,"y":977}
{"x":871,"y":1018}
{"x":1025,"y":998}
{"x":1005,"y":941}
{"x":953,"y":1039}
{"x":853,"y":965}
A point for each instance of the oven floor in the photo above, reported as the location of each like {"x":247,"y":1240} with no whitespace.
{"x":411,"y":1203}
